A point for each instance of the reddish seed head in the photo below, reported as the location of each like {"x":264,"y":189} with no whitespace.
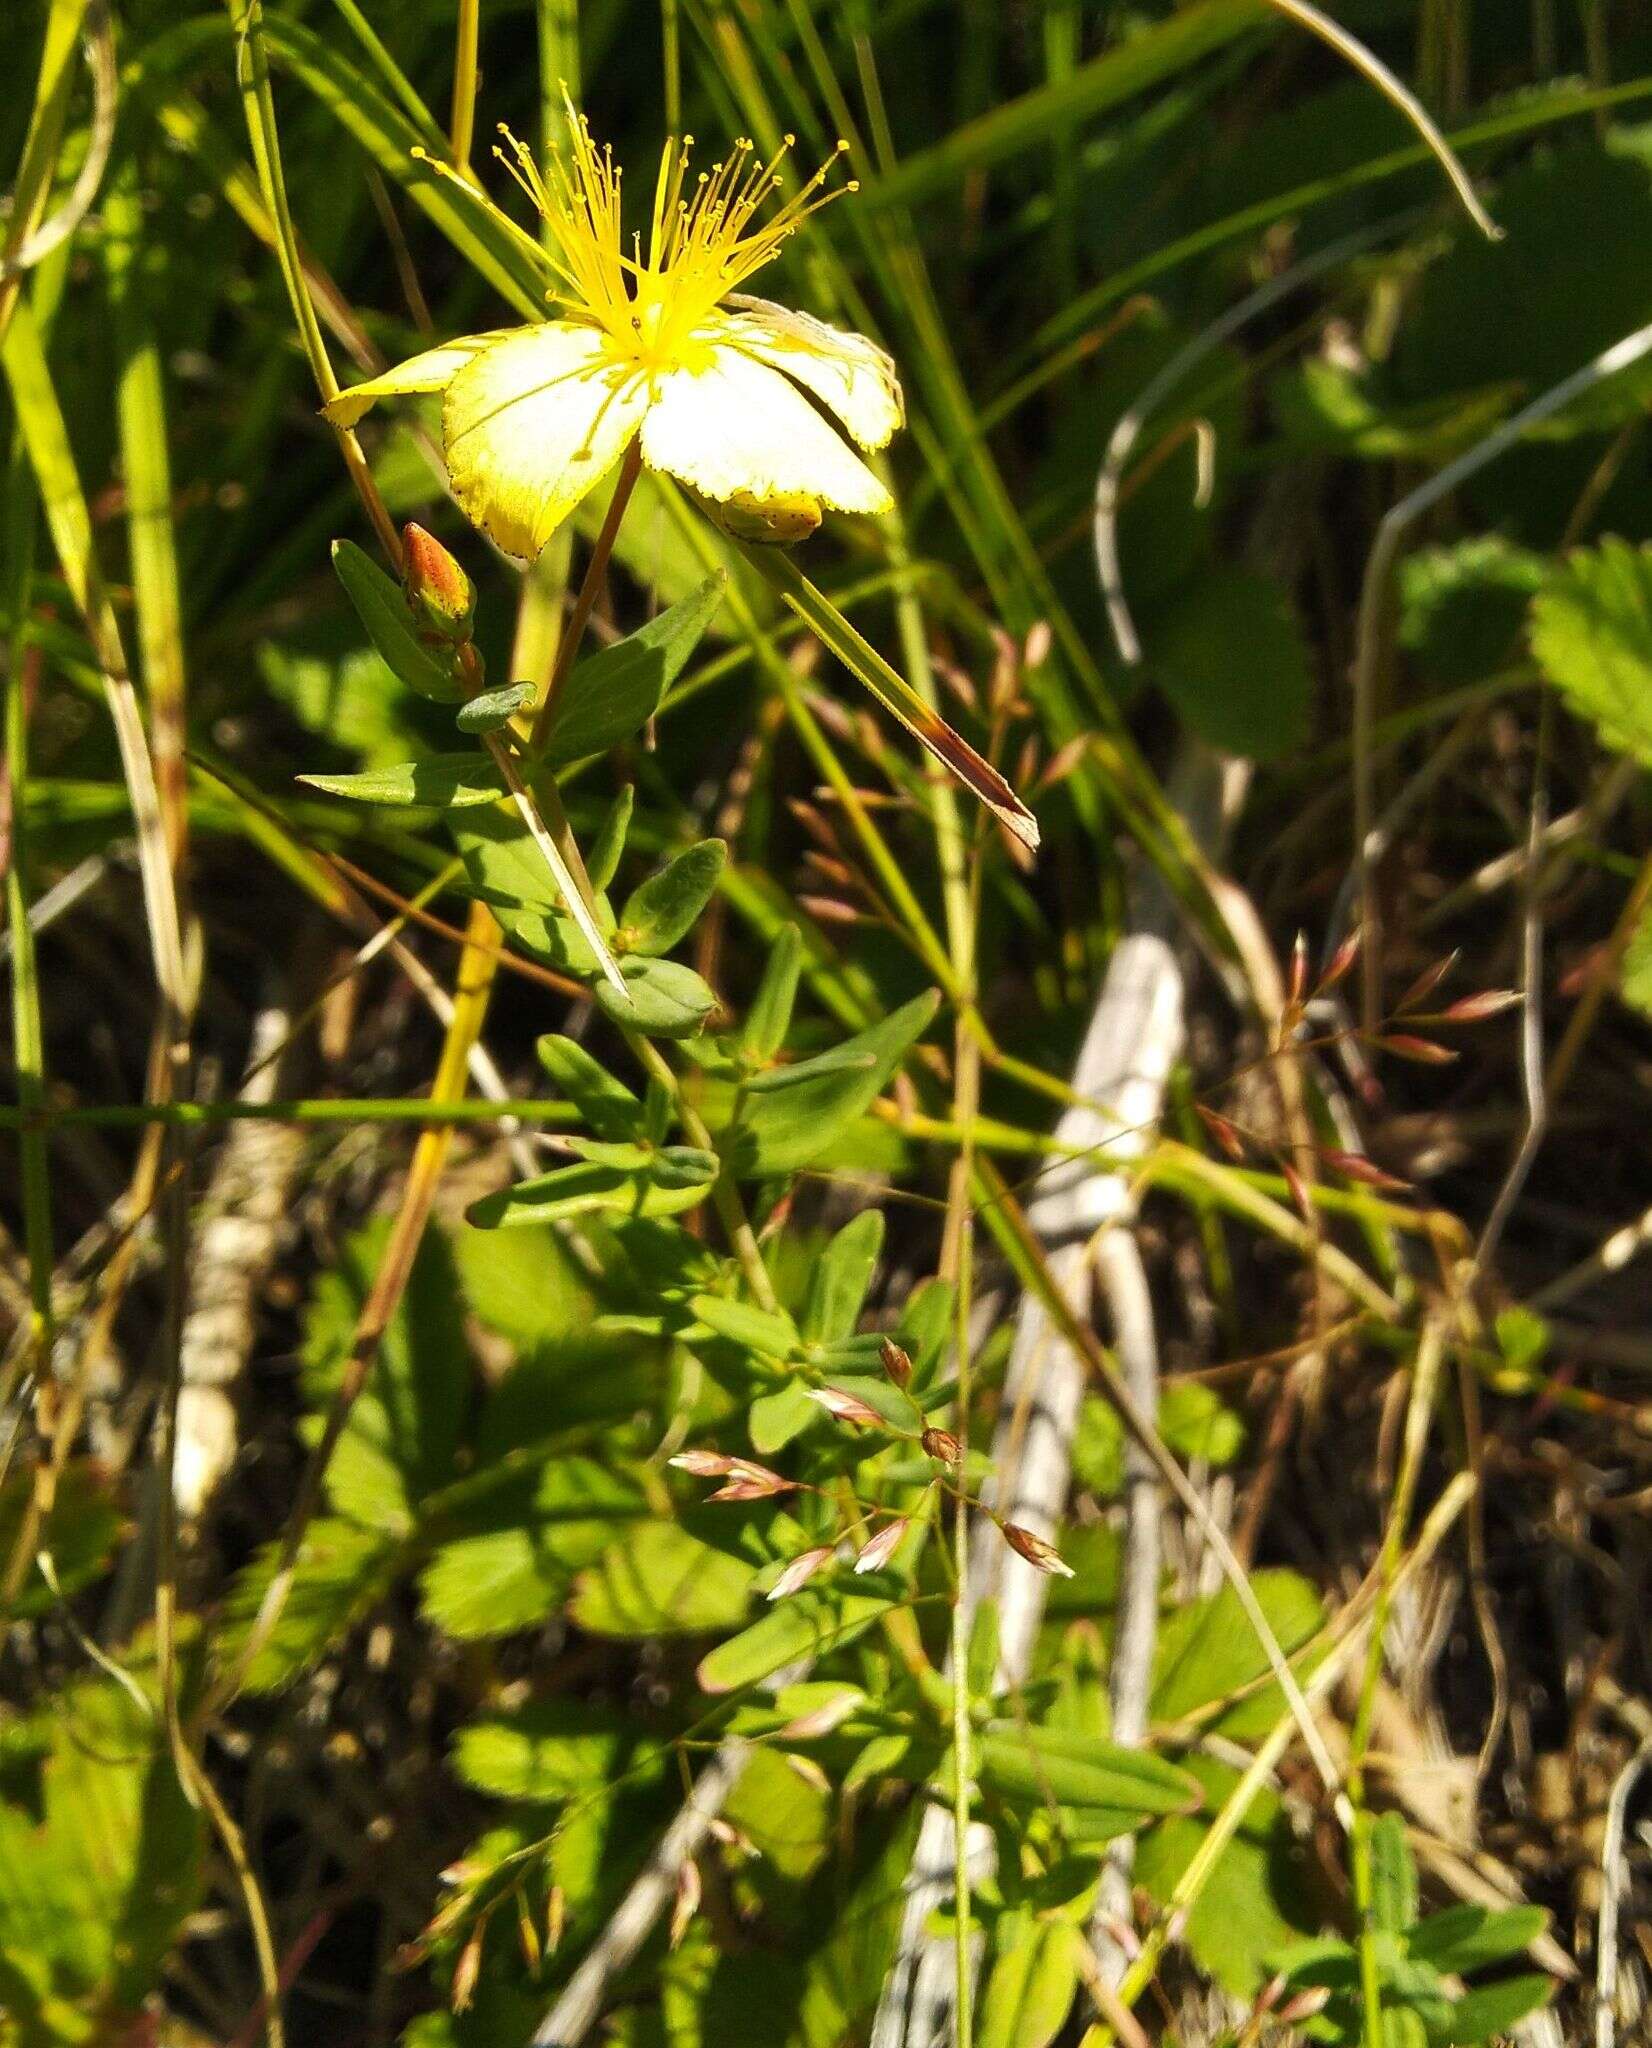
{"x":942,"y":1445}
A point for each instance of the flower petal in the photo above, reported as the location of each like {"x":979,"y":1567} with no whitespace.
{"x":734,"y":427}
{"x":531,"y":424}
{"x":427,"y":372}
{"x":844,"y":371}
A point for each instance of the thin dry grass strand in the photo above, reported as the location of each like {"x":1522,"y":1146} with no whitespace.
{"x":1371,"y":630}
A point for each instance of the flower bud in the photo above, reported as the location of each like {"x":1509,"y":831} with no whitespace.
{"x":896,"y":1362}
{"x":942,"y":1445}
{"x":882,"y":1546}
{"x":439,"y":594}
{"x":846,"y":1407}
{"x":1042,"y":1556}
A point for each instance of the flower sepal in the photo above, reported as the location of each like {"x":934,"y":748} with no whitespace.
{"x":775,"y":522}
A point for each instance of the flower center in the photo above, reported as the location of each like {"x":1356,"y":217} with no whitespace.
{"x":704,"y":241}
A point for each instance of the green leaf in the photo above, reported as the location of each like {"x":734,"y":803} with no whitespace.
{"x":343,"y":1572}
{"x":1393,"y":1876}
{"x":80,"y":1535}
{"x":508,"y":872}
{"x":1030,"y":1990}
{"x":787,"y":1818}
{"x":1114,"y":1789}
{"x":667,"y":999}
{"x":609,"y":843}
{"x":1635,"y":981}
{"x":1196,"y":1422}
{"x":1494,"y":2009}
{"x":494,"y":708}
{"x":770,"y":1014}
{"x":525,"y":1285}
{"x":840,"y":1278}
{"x":773,"y":1420}
{"x":662,"y":1183}
{"x":404,"y":1430}
{"x":516,"y":1567}
{"x":1098,"y":1447}
{"x":1592,"y":635}
{"x":451,"y":782}
{"x":1465,"y":1938}
{"x":384,"y":611}
{"x":1208,"y":1649}
{"x":614,"y":694}
{"x":1462,"y":606}
{"x":1528,"y":309}
{"x":96,"y":1880}
{"x":1327,"y":409}
{"x":1259,"y":1893}
{"x":606,"y":1104}
{"x":549,"y":1750}
{"x":818,"y":1619}
{"x":780,"y":1132}
{"x":661,"y":910}
{"x":1231,"y":658}
{"x":350,"y":700}
{"x":770,"y":1334}
{"x":662,"y":1581}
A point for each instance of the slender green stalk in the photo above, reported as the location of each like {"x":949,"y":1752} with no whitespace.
{"x":1320,"y":1683}
{"x":146,"y":464}
{"x":1425,"y":1379}
{"x":28,"y":1035}
{"x":309,"y":1109}
{"x":462,"y":121}
{"x":253,"y":76}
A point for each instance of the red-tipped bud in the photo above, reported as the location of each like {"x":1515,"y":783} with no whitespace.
{"x":1490,"y":1002}
{"x":800,"y":1571}
{"x":1299,"y":970}
{"x":943,"y":1446}
{"x":439,"y":594}
{"x":468,"y":1967}
{"x":1355,"y":1166}
{"x":1042,"y":1556}
{"x":1405,"y":1046}
{"x":1341,"y":960}
{"x":882,"y":1547}
{"x":703,"y":1464}
{"x":1225,"y":1133}
{"x":896,"y":1362}
{"x":846,"y":1407}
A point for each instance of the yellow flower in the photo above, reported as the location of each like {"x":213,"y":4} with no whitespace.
{"x":725,"y":391}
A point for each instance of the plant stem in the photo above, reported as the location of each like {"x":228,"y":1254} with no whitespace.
{"x":1425,"y":1376}
{"x":545,"y":715}
{"x":462,"y":123}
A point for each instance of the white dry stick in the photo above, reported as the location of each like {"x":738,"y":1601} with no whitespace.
{"x":1614,"y":1874}
{"x":243,"y":1217}
{"x":1082,"y":1218}
{"x":580,"y":2004}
